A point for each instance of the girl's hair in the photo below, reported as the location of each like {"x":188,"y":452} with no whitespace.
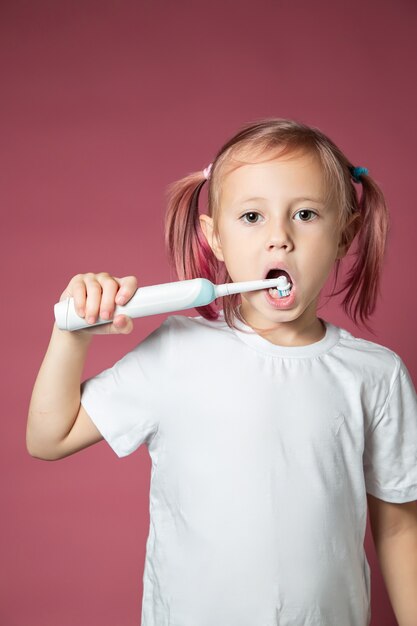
{"x":192,"y":256}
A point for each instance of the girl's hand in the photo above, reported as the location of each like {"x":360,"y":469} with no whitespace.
{"x":96,"y":295}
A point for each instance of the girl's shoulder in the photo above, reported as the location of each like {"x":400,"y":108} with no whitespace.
{"x":371,"y":357}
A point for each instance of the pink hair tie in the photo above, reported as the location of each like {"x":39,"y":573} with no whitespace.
{"x":207,"y":171}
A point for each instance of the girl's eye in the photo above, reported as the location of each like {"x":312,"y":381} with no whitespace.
{"x":304,"y":211}
{"x":251,"y":213}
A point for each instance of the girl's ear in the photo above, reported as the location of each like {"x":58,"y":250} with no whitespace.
{"x":348,"y":235}
{"x":206,"y":224}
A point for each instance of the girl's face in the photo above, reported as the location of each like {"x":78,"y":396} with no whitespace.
{"x":273,"y":213}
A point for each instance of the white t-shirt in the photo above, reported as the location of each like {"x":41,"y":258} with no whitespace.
{"x":261,"y":459}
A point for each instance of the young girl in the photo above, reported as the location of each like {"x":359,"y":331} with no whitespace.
{"x":268,"y":427}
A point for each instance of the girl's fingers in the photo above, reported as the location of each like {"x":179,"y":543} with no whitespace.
{"x":128,"y":286}
{"x":74,"y":289}
{"x":109,"y":287}
{"x":79,"y":293}
{"x":96,"y":295}
{"x":120,"y":325}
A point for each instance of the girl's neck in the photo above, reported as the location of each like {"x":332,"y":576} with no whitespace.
{"x":286,"y":338}
{"x":290,"y":335}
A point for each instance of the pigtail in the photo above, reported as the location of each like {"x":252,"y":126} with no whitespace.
{"x":187,"y":248}
{"x":371,"y":226}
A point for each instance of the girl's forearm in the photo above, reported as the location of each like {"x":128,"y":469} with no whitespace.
{"x":397,"y":555}
{"x":55,"y":398}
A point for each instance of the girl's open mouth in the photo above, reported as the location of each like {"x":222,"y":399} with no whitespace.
{"x":280,"y":302}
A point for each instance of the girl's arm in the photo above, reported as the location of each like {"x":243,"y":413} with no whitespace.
{"x":394,"y":531}
{"x":55,"y":401}
{"x":57,"y":424}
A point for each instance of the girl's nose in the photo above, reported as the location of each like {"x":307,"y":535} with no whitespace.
{"x":279,"y":236}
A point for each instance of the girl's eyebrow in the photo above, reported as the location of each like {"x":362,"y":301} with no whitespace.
{"x":318,"y":200}
{"x":298,"y":199}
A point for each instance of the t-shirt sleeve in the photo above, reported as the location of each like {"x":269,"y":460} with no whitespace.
{"x":123,"y":400}
{"x":390,"y":454}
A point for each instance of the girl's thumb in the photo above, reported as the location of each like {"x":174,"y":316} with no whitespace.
{"x":122,"y":325}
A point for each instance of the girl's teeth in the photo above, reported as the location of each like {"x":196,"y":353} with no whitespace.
{"x":274,"y":293}
{"x":283,"y":288}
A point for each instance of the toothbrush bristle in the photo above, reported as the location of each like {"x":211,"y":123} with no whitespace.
{"x":283,"y":288}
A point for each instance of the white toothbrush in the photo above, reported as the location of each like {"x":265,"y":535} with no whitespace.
{"x":175,"y":296}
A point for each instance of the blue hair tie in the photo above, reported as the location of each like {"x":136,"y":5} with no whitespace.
{"x":357,"y":171}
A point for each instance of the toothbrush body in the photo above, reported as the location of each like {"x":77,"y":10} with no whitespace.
{"x":155,"y":299}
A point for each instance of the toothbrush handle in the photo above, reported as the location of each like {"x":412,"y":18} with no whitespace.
{"x":150,"y":300}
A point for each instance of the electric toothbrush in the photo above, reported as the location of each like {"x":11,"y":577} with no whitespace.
{"x":168,"y":297}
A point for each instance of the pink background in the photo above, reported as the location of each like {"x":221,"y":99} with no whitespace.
{"x":104,"y":104}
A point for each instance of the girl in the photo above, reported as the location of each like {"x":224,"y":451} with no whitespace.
{"x":268,"y":427}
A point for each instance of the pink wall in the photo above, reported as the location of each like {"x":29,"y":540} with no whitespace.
{"x":104,"y":104}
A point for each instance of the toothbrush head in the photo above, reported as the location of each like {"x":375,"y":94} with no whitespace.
{"x":284,"y":287}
